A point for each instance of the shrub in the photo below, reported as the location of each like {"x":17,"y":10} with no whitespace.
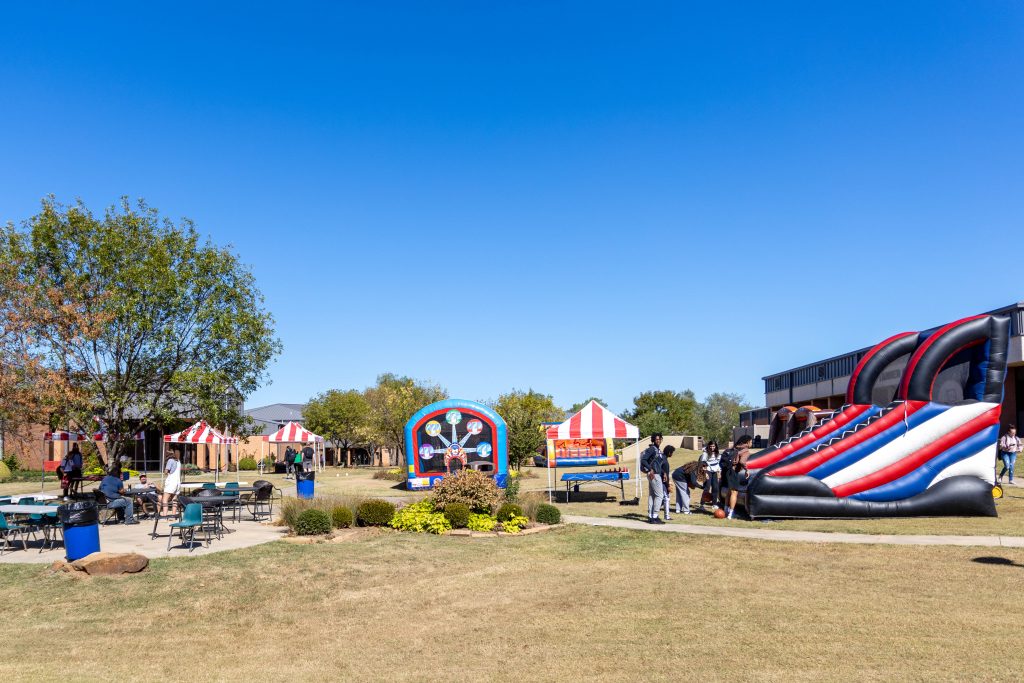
{"x":313,"y":521}
{"x":5,"y":471}
{"x":421,"y":517}
{"x":458,"y":515}
{"x":11,"y":460}
{"x":247,"y":464}
{"x":508,"y":511}
{"x":513,"y":524}
{"x":512,"y":490}
{"x":190,"y":470}
{"x":341,"y":517}
{"x":479,"y":522}
{"x":548,"y":514}
{"x":393,"y":474}
{"x":375,"y":512}
{"x":469,"y":487}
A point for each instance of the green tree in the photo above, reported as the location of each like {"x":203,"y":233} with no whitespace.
{"x":392,"y":402}
{"x":577,"y":407}
{"x":667,"y":412}
{"x":341,"y":417}
{"x":721,"y":412}
{"x":148,"y":319}
{"x":524,"y":412}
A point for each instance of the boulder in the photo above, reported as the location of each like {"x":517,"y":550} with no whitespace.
{"x":111,"y":564}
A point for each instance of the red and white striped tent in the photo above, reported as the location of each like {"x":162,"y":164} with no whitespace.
{"x":594,"y":421}
{"x":78,"y":437}
{"x":201,"y":433}
{"x":293,"y":432}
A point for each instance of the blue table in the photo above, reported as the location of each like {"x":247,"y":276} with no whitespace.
{"x":613,"y":479}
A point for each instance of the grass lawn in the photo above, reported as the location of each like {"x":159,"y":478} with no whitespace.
{"x":567,"y":604}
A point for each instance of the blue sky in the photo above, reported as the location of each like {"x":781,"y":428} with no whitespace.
{"x":585,"y":198}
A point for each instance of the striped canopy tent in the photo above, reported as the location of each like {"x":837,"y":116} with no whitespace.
{"x":293,"y":432}
{"x":66,"y":436}
{"x":201,"y":433}
{"x":593,"y":421}
{"x":78,"y":437}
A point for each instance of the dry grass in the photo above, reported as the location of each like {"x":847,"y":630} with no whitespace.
{"x":578,"y":602}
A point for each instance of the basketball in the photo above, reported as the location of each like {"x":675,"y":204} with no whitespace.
{"x":719,"y":513}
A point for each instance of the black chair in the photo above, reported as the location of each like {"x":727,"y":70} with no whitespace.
{"x":213,"y":514}
{"x":102,"y":502}
{"x":262,"y":502}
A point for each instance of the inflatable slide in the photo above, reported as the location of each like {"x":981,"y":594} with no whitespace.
{"x":929,"y":452}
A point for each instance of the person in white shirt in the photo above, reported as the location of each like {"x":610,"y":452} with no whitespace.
{"x":713,"y":459}
{"x":172,"y":482}
{"x":1009,"y":447}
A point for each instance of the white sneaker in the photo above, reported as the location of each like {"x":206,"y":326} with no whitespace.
{"x":686,"y":512}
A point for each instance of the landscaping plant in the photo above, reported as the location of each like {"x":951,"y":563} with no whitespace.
{"x":479,"y":522}
{"x":514,"y":524}
{"x":247,"y":464}
{"x":458,"y":515}
{"x":312,"y":522}
{"x":375,"y":512}
{"x":508,"y":511}
{"x":341,"y":517}
{"x":469,"y":487}
{"x":548,"y":514}
{"x":421,"y":517}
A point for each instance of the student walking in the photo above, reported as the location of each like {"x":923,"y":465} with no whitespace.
{"x":1009,"y":447}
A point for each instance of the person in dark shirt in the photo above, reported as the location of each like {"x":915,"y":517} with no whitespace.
{"x":307,"y":458}
{"x":734,"y":465}
{"x":666,"y":478}
{"x":651,"y":464}
{"x":112,"y":488}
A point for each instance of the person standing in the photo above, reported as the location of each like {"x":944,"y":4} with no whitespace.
{"x":289,"y":462}
{"x":652,"y":465}
{"x":712,"y":459}
{"x":307,"y":458}
{"x":736,"y":471}
{"x":1009,"y":447}
{"x":666,"y":478}
{"x":297,"y":457}
{"x":172,"y":482}
{"x":71,"y":468}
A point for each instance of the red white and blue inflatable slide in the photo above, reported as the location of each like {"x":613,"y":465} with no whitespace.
{"x":930,"y":451}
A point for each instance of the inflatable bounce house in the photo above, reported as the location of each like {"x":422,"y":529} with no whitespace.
{"x":454,"y":435}
{"x":930,"y":451}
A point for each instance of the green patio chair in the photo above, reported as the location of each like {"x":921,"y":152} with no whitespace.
{"x":8,"y":531}
{"x":191,"y":518}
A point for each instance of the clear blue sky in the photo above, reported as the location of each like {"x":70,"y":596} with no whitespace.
{"x":583,"y":198}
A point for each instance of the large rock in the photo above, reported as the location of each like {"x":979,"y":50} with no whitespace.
{"x":111,"y":564}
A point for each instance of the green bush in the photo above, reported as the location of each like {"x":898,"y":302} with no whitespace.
{"x":312,"y":522}
{"x":375,"y":512}
{"x":421,"y":517}
{"x":247,"y":464}
{"x":479,"y":522}
{"x":548,"y":514}
{"x":458,"y":515}
{"x":512,"y":491}
{"x":341,"y":517}
{"x":11,"y":460}
{"x":5,"y":471}
{"x":469,"y":487}
{"x":190,"y":470}
{"x":508,"y":511}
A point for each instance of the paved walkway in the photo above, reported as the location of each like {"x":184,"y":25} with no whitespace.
{"x":118,"y":538}
{"x":802,"y":536}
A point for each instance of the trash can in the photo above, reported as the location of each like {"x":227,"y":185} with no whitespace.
{"x":304,"y":484}
{"x":81,"y":529}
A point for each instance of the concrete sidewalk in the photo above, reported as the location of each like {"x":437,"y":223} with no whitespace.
{"x":118,"y":538}
{"x":802,"y":536}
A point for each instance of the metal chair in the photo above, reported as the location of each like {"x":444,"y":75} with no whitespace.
{"x":262,"y":503}
{"x":191,"y":518}
{"x":7,"y":531}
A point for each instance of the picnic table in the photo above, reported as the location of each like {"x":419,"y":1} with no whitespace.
{"x":15,"y":509}
{"x":574,"y":480}
{"x":33,"y":496}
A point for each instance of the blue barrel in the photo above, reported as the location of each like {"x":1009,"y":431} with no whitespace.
{"x":304,"y":484}
{"x":81,"y":529}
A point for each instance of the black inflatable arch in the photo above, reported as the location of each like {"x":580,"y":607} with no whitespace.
{"x":862,"y":382}
{"x":982,"y":340}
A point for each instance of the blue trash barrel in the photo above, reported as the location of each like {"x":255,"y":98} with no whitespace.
{"x":81,"y":529}
{"x":304,"y":484}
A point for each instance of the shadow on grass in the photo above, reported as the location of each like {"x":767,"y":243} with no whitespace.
{"x":1004,"y":561}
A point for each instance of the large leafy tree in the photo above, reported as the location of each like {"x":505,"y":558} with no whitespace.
{"x":667,"y":412}
{"x":392,"y":401}
{"x":341,"y":417}
{"x":524,"y":412}
{"x":577,"y":407}
{"x":151,"y":322}
{"x":721,"y":412}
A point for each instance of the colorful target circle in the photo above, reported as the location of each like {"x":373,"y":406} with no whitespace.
{"x":433,"y":428}
{"x":453,"y":417}
{"x":474,"y":427}
{"x":483,"y":449}
{"x":426,"y":450}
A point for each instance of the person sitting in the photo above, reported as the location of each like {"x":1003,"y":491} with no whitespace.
{"x":112,"y":488}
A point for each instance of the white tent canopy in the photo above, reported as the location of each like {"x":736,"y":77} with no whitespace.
{"x":199,"y":433}
{"x":593,"y":421}
{"x":293,"y":432}
{"x":78,"y":437}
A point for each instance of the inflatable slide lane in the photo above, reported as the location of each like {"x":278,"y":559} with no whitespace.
{"x":860,"y":406}
{"x":928,"y":453}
